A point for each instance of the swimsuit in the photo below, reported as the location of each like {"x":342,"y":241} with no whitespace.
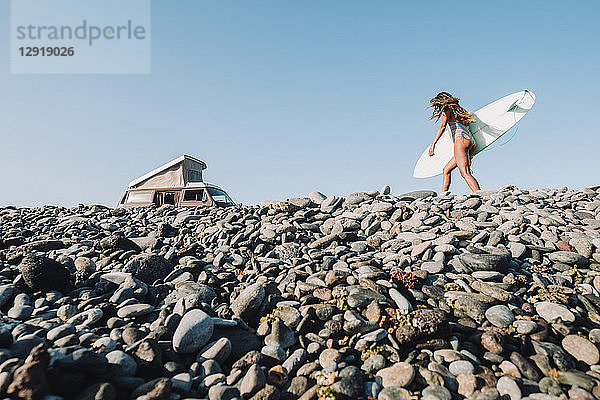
{"x":459,"y":130}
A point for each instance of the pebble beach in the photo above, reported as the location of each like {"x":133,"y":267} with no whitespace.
{"x":486,"y":296}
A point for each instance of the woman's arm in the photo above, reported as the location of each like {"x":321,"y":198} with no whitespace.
{"x":439,"y":132}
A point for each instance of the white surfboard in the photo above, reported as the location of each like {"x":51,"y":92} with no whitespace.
{"x":491,"y":122}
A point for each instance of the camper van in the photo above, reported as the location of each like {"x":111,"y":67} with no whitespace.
{"x":178,"y":183}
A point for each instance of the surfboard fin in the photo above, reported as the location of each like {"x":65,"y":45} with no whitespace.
{"x":516,"y":108}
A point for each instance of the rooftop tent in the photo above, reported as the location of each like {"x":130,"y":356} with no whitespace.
{"x":176,"y":173}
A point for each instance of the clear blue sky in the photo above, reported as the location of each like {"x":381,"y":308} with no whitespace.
{"x":281,"y":98}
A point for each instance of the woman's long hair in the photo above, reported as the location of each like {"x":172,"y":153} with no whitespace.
{"x":445,"y":100}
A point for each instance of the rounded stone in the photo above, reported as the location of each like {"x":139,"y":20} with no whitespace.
{"x":373,"y":364}
{"x":85,"y":265}
{"x":253,"y":381}
{"x":594,"y":335}
{"x":182,"y":382}
{"x":218,"y":351}
{"x":246,"y":304}
{"x":21,"y":312}
{"x":274,"y":351}
{"x":131,"y":335}
{"x":134,"y":310}
{"x":223,"y":392}
{"x":66,"y":312}
{"x":329,"y":357}
{"x":461,"y":367}
{"x":121,"y":363}
{"x":569,"y":258}
{"x":500,"y":316}
{"x":508,"y":387}
{"x":552,"y":311}
{"x":104,"y":344}
{"x":400,"y":374}
{"x":525,"y":327}
{"x":60,"y":331}
{"x":401,"y":302}
{"x":6,"y":292}
{"x":394,"y":393}
{"x":581,"y":348}
{"x":432,"y":267}
{"x":194,"y":331}
{"x":436,"y":392}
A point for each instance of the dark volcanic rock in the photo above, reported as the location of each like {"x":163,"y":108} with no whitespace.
{"x":118,"y":242}
{"x":429,"y":322}
{"x":148,"y":267}
{"x":44,"y":274}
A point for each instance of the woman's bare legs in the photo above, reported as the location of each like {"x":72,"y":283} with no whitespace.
{"x":447,"y":174}
{"x":461,"y":155}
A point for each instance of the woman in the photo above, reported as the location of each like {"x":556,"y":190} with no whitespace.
{"x":457,"y":118}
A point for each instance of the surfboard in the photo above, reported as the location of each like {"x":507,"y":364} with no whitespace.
{"x":491,"y":122}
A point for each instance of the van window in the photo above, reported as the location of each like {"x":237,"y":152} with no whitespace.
{"x":195,"y":195}
{"x":169,"y":197}
{"x":140,"y":197}
{"x":220,"y":196}
{"x":194,"y":176}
